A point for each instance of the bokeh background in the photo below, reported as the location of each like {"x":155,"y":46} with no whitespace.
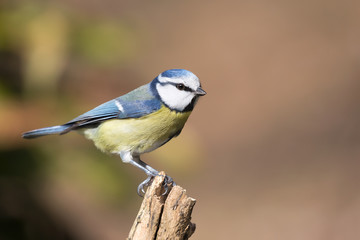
{"x":271,"y":152}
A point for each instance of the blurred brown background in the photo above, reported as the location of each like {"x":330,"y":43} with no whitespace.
{"x":271,"y":152}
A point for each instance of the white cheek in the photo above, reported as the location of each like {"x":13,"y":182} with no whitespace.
{"x":173,"y":97}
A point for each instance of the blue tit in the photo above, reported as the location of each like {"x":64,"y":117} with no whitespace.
{"x":139,"y":121}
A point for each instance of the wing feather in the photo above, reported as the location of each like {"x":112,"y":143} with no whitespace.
{"x":135,"y":104}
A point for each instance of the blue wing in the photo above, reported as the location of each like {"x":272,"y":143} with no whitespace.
{"x":135,"y":104}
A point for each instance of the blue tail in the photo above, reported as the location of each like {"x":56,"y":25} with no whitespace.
{"x":47,"y":131}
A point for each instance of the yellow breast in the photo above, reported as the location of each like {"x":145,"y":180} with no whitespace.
{"x":138,"y":135}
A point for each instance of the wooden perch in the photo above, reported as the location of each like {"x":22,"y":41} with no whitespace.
{"x":164,"y":216}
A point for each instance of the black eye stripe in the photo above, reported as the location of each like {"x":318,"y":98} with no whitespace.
{"x":184,"y":88}
{"x":187,"y":89}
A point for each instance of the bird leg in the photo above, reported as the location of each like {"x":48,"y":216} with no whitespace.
{"x":150,"y":172}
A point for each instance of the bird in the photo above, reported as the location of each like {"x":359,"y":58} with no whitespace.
{"x":138,"y":122}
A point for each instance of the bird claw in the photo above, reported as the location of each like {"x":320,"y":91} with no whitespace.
{"x":147,"y":182}
{"x":168,"y":181}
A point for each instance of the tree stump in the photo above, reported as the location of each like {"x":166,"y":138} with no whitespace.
{"x":163,"y":216}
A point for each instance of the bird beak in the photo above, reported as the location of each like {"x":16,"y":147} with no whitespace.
{"x":199,"y":91}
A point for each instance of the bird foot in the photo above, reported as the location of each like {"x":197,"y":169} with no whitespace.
{"x":143,"y":185}
{"x":147,"y":182}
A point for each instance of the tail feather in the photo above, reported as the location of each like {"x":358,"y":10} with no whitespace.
{"x":46,"y":131}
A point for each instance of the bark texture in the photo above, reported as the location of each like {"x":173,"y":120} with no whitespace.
{"x":163,"y":216}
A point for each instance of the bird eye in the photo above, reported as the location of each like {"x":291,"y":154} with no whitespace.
{"x":180,"y":86}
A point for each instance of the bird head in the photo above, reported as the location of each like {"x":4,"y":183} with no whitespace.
{"x":178,"y":89}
